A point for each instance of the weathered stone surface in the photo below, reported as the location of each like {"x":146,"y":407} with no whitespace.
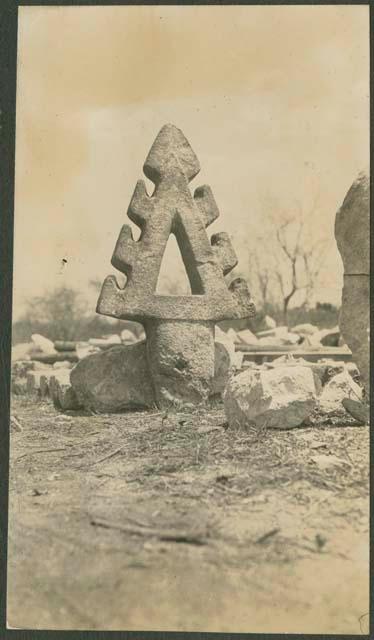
{"x":181,"y":359}
{"x":352,"y":228}
{"x":279,"y":398}
{"x":247,"y":337}
{"x":319,"y":370}
{"x":269,"y":322}
{"x":360,"y":411}
{"x":84,"y":349}
{"x":179,"y":329}
{"x":226,"y":361}
{"x":114,"y":380}
{"x":43,"y":344}
{"x":355,"y":321}
{"x":352,"y":233}
{"x":119,"y":379}
{"x":128,"y":337}
{"x":233,"y":335}
{"x":353,"y":371}
{"x":223,"y":368}
{"x":341,"y":386}
{"x":172,"y":209}
{"x":223,"y":336}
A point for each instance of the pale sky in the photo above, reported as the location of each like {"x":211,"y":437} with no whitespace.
{"x":274,"y":100}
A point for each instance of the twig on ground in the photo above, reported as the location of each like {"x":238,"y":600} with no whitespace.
{"x":266,"y":536}
{"x":110,"y":455}
{"x":167,"y":535}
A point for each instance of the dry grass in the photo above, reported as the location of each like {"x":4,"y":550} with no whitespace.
{"x":144,"y":484}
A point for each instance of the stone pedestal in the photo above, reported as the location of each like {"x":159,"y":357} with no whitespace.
{"x":181,"y":361}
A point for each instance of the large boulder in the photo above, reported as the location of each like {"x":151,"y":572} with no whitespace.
{"x":279,"y":398}
{"x":118,"y":379}
{"x":352,"y":227}
{"x":114,"y":380}
{"x":319,"y":370}
{"x":352,"y":233}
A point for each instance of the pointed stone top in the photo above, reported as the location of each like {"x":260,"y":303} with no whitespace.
{"x":170,"y":140}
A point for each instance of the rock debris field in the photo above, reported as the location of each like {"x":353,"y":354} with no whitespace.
{"x":181,"y":477}
{"x":150,"y":520}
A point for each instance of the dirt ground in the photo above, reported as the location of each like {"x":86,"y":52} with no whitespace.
{"x":149,"y":521}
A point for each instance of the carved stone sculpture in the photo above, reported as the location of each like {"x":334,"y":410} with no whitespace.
{"x":179,"y":329}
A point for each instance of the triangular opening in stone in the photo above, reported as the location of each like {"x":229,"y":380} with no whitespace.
{"x":172,"y":278}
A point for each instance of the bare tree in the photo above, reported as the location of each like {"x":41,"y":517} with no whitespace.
{"x":287,"y":258}
{"x":302,"y":254}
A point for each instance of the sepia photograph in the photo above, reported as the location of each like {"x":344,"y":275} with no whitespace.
{"x":190,"y":370}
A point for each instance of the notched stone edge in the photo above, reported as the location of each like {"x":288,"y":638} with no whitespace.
{"x":205,"y":201}
{"x":224,"y":251}
{"x":245,"y":307}
{"x":126,"y":251}
{"x":110,"y":302}
{"x":141,"y":205}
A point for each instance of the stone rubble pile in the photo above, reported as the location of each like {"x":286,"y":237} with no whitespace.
{"x":278,"y":398}
{"x":113,"y":376}
{"x":284,"y":393}
{"x":107,"y":375}
{"x":301,"y":336}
